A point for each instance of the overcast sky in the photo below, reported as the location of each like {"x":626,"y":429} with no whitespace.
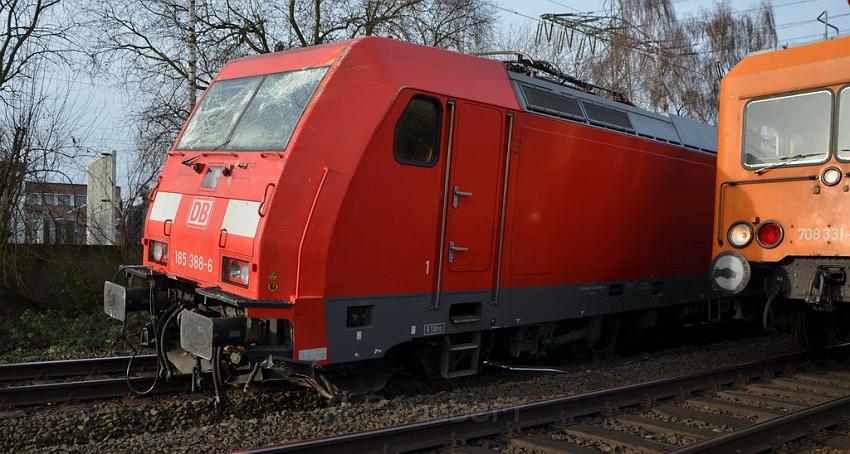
{"x":103,"y":104}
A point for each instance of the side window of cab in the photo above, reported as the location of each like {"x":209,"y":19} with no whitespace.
{"x":416,"y":140}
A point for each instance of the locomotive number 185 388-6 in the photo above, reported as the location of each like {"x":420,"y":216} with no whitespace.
{"x":192,"y":261}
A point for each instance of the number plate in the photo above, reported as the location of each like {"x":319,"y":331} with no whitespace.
{"x":193,"y":261}
{"x":825,"y":234}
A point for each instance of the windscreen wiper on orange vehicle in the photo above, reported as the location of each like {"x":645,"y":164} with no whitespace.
{"x":786,"y":161}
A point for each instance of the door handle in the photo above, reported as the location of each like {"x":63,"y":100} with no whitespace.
{"x":458,"y":193}
{"x":453,"y":249}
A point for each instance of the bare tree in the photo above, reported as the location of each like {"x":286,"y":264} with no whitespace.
{"x":22,"y":26}
{"x":152,"y":39}
{"x":36,"y":139}
{"x":640,"y":49}
{"x":462,"y":25}
{"x":149,"y":44}
{"x":39,"y":142}
{"x":30,"y":32}
{"x":722,"y":38}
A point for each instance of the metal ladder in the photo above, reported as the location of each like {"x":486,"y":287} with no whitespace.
{"x":460,"y":354}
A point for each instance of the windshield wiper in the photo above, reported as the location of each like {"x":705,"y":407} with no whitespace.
{"x":188,"y":162}
{"x":219,"y":146}
{"x":192,"y":160}
{"x":786,"y":161}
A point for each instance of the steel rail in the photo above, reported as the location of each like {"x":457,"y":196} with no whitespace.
{"x":455,"y":430}
{"x":762,"y":436}
{"x":74,"y":367}
{"x":19,"y":396}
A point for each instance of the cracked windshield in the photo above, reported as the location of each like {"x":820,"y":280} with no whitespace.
{"x":251,"y":113}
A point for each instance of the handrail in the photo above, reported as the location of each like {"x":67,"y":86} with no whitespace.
{"x":304,"y":234}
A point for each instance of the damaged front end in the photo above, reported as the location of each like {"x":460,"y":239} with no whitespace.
{"x":206,"y":332}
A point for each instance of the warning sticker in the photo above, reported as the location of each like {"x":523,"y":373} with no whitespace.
{"x":313,"y":354}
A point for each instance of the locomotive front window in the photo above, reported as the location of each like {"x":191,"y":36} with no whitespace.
{"x":843,"y":144}
{"x":275,"y":110}
{"x":253,"y":113}
{"x":792,"y":129}
{"x":218,"y":112}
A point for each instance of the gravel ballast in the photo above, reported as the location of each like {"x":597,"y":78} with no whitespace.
{"x":190,"y":424}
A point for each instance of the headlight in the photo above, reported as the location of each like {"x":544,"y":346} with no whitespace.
{"x":243,"y":274}
{"x":831,"y":176}
{"x":769,"y":234}
{"x":740,"y":234}
{"x":158,"y":252}
{"x":236,"y":272}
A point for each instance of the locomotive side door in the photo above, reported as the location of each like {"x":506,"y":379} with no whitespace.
{"x":472,"y":204}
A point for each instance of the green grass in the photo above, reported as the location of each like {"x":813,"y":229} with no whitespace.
{"x":53,"y":334}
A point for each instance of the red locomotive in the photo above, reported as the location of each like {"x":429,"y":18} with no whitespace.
{"x":350,"y":207}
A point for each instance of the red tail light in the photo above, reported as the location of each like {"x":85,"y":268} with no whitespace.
{"x":769,"y":234}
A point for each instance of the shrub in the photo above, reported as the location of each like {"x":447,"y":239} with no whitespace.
{"x":52,"y":333}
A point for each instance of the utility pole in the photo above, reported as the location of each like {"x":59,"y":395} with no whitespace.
{"x":824,"y":19}
{"x":193,"y":56}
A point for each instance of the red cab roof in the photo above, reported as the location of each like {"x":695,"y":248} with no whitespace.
{"x":402,"y":64}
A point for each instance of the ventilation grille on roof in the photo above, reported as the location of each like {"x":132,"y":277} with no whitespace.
{"x":574,"y":105}
{"x":552,"y":103}
{"x":606,"y":116}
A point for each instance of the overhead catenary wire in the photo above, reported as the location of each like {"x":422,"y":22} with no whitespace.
{"x":749,"y":10}
{"x":808,"y":21}
{"x":556,"y":2}
{"x":564,"y":29}
{"x":658,"y":50}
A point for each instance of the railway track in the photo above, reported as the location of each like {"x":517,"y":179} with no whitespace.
{"x":746,"y":408}
{"x":81,"y":379}
{"x":73,"y":367}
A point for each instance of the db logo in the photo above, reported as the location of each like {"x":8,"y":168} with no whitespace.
{"x":199,"y":213}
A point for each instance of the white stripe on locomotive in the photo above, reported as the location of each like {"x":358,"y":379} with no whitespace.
{"x":241,"y":218}
{"x":165,"y":206}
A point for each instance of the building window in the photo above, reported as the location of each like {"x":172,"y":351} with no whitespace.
{"x":79,"y":200}
{"x":65,"y":231}
{"x":33,"y":199}
{"x":46,"y":237}
{"x":417,"y":133}
{"x":63,"y":200}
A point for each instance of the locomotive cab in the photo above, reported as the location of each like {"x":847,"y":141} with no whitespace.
{"x":781,"y":230}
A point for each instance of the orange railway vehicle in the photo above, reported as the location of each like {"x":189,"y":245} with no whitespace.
{"x":781,"y":229}
{"x":340,"y":210}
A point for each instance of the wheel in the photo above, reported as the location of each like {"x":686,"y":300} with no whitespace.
{"x":812,"y":329}
{"x":606,"y":344}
